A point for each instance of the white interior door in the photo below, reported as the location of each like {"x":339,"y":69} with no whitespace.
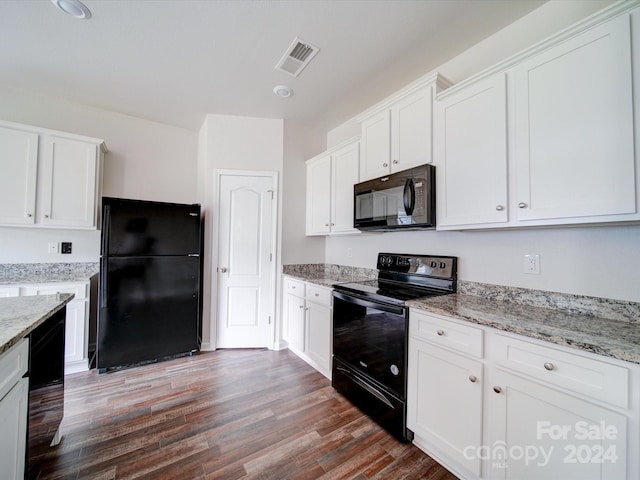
{"x":245,"y":269}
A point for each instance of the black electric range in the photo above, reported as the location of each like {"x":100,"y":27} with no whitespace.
{"x":370,"y":333}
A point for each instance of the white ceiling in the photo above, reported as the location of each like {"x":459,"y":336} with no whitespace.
{"x":173,"y":61}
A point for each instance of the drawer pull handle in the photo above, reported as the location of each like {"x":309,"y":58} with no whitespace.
{"x":473,"y":378}
{"x":497,"y":389}
{"x":549,"y":366}
{"x":440,"y":332}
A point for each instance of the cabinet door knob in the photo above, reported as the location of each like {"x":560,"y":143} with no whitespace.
{"x":473,"y":378}
{"x":224,"y":270}
{"x":46,"y":216}
{"x":549,"y":366}
{"x":29,"y":215}
{"x":301,"y":306}
{"x":326,"y":224}
{"x":385,"y":165}
{"x":522,"y":205}
{"x":395,"y":162}
{"x":317,"y":294}
{"x":440,"y":332}
{"x":499,"y":208}
{"x":497,"y":389}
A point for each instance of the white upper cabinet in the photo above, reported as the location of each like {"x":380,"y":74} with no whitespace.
{"x":70,"y":169}
{"x":319,"y":196}
{"x":574,"y":139}
{"x":18,"y":164}
{"x":397,"y":133}
{"x":547,"y":137}
{"x":345,"y":168}
{"x":330,"y":180}
{"x":470,"y":154}
{"x":376,"y":146}
{"x":50,"y":179}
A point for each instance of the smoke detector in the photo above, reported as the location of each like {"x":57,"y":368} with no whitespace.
{"x":74,"y":8}
{"x":282,"y":91}
{"x":297,"y":57}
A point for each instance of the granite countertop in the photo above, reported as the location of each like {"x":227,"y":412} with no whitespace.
{"x":32,"y":273}
{"x":324,"y":281}
{"x":612,"y":338}
{"x":19,"y":316}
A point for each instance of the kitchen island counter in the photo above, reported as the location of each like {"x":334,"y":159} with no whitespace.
{"x":19,"y":316}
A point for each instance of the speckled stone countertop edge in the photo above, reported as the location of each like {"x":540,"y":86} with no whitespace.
{"x":37,"y":273}
{"x":328,"y":275}
{"x":609,"y":338}
{"x":24,"y":326}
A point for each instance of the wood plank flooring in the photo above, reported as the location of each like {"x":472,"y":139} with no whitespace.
{"x":229,"y":414}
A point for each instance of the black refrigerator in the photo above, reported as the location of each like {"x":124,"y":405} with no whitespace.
{"x":150,"y":292}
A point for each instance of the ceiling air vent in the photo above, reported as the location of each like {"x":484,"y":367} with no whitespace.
{"x":297,"y":56}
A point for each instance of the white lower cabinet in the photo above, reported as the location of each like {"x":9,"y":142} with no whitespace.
{"x":307,"y":319}
{"x":517,"y":408}
{"x":445,"y":401}
{"x":14,"y":410}
{"x":537,"y":432}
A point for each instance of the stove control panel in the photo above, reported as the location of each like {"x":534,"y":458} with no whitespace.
{"x":431,"y":265}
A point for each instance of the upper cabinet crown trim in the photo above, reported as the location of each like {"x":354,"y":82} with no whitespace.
{"x":56,"y":133}
{"x":335,"y":148}
{"x":615,"y":9}
{"x":431,"y":79}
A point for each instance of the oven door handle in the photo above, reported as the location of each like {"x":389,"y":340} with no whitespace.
{"x":353,"y":299}
{"x":369,"y":388}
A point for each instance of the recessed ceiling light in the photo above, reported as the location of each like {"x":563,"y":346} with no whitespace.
{"x":75,"y":8}
{"x":282,"y":91}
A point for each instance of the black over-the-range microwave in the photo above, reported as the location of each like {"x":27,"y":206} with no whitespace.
{"x":401,"y":200}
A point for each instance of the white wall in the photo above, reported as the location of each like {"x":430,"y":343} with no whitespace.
{"x":232,"y":143}
{"x":300,"y":144}
{"x":602,"y":261}
{"x":146,"y":160}
{"x":593,"y":261}
{"x":543,"y":22}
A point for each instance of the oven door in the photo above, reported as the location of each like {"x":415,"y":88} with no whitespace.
{"x":371,"y":338}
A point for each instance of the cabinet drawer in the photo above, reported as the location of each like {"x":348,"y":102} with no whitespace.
{"x":13,"y":365}
{"x":294,"y":286}
{"x":319,"y":295}
{"x":597,"y":379}
{"x":78,"y":289}
{"x":440,"y":331}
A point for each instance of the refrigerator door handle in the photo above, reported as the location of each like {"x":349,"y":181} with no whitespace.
{"x":193,"y":255}
{"x":106,"y":224}
{"x":103,"y":284}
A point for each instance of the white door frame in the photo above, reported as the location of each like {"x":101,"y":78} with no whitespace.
{"x":215,"y":242}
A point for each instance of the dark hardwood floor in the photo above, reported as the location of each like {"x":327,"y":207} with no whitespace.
{"x":230,"y":414}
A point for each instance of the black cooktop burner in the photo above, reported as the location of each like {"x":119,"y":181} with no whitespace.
{"x":406,"y":277}
{"x":393,"y":292}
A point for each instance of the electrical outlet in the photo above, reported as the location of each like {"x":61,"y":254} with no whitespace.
{"x":532,"y":264}
{"x":53,"y":247}
{"x":349,"y":252}
{"x":65,"y":247}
